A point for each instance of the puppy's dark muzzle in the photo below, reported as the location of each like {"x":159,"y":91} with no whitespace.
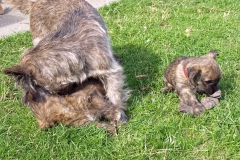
{"x":209,"y":90}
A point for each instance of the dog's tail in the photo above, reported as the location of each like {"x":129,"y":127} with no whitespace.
{"x":23,"y":5}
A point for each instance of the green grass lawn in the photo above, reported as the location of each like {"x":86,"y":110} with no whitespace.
{"x":147,"y":35}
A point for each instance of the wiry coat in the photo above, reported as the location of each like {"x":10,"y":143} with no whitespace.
{"x":189,"y":75}
{"x":71,"y":45}
{"x":84,"y":103}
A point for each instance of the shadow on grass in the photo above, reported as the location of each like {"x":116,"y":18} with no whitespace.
{"x":140,"y":61}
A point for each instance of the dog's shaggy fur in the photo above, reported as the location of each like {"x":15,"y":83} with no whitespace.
{"x":189,"y":75}
{"x":82,"y":104}
{"x":71,"y":45}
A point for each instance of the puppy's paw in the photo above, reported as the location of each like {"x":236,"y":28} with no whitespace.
{"x":217,"y":94}
{"x":165,"y":90}
{"x":183,"y":108}
{"x":210,"y":102}
{"x":198,"y":109}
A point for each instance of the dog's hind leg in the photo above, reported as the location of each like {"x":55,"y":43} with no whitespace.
{"x":168,"y":87}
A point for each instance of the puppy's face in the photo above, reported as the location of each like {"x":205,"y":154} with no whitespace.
{"x":205,"y":74}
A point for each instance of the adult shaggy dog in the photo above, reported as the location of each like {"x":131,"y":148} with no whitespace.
{"x":71,"y":45}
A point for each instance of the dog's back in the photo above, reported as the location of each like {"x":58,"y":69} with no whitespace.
{"x":47,"y":15}
{"x":171,"y":71}
{"x":23,"y":6}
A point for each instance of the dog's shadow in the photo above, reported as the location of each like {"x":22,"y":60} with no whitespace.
{"x":142,"y":68}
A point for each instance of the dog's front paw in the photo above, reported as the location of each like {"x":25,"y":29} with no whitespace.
{"x":123,"y":117}
{"x":217,"y":94}
{"x":210,"y":102}
{"x":196,"y":109}
{"x":183,"y":108}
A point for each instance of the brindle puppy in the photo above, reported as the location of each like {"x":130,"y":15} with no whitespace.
{"x":71,"y":45}
{"x":189,"y":75}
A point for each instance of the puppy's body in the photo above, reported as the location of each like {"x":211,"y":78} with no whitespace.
{"x":83,"y":104}
{"x":71,"y":45}
{"x":191,"y":75}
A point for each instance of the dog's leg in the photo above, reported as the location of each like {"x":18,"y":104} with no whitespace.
{"x":103,"y":107}
{"x":189,"y":102}
{"x":114,"y":94}
{"x":168,"y":87}
{"x":114,"y":84}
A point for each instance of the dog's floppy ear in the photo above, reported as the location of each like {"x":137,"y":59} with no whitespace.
{"x":17,"y":70}
{"x":212,"y":54}
{"x":194,"y":74}
{"x":22,"y":74}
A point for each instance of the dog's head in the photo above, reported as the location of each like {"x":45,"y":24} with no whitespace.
{"x":204,"y":73}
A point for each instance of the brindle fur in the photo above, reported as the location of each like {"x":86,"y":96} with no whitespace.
{"x":71,"y":45}
{"x":85,"y":103}
{"x":203,"y":77}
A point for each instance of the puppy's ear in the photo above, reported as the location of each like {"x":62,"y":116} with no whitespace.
{"x":212,"y":54}
{"x":194,"y":74}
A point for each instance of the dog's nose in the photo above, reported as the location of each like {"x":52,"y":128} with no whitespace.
{"x":215,"y":88}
